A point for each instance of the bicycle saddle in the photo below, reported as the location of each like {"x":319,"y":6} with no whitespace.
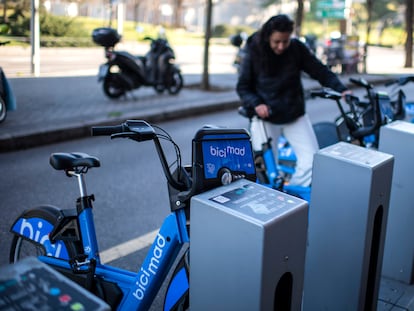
{"x":67,"y":161}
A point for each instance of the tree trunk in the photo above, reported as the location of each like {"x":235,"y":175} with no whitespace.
{"x":136,"y":13}
{"x":299,"y":18}
{"x":178,"y":13}
{"x":369,"y":5}
{"x":205,"y":84}
{"x":409,"y":30}
{"x":5,"y":11}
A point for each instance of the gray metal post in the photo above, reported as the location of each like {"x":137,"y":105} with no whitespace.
{"x":35,"y":38}
{"x":348,"y":211}
{"x":397,"y":138}
{"x":247,"y":249}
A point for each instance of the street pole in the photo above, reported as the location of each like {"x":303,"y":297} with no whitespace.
{"x":35,"y":39}
{"x":120,"y":17}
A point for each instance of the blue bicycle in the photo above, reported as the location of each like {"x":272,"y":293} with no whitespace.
{"x":66,"y":239}
{"x":403,"y":109}
{"x":360,"y":123}
{"x":276,"y":174}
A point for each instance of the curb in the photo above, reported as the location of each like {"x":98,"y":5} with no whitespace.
{"x":81,"y":130}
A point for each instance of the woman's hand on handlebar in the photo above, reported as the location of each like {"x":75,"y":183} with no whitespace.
{"x":345,"y":93}
{"x":262,"y":111}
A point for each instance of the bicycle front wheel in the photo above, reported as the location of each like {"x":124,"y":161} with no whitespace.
{"x":22,"y":248}
{"x":175,"y":82}
{"x":177,"y":297}
{"x":261,"y":170}
{"x":3,"y":109}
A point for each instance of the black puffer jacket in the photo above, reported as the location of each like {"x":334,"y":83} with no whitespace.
{"x":278,"y":84}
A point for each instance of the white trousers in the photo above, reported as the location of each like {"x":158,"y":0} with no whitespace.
{"x":302,"y":138}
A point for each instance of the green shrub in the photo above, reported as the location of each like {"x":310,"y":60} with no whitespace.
{"x":60,"y":26}
{"x":64,"y":31}
{"x":47,"y":41}
{"x":225,"y":31}
{"x":4,"y":29}
{"x":20,"y":26}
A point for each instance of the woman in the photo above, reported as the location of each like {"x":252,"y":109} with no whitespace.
{"x":270,"y":83}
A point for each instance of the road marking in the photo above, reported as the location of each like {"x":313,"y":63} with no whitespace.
{"x":128,"y":247}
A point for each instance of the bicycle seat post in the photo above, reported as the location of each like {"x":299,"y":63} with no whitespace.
{"x":80,"y":177}
{"x":85,"y":218}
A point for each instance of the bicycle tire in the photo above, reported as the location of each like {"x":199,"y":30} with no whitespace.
{"x":261,"y":169}
{"x":183,"y":303}
{"x":3,"y":110}
{"x":175,"y":82}
{"x":21,"y":248}
{"x":113,"y":86}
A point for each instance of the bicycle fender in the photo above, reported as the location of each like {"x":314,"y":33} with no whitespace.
{"x":38,"y":224}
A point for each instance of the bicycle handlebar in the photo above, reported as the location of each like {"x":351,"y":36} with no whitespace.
{"x":137,"y":130}
{"x":246,"y":112}
{"x":362,"y":83}
{"x":108,"y":130}
{"x":250,"y":112}
{"x":357,"y":131}
{"x":140,"y":130}
{"x":401,"y":80}
{"x":329,"y":94}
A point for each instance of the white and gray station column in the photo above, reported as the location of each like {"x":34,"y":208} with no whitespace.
{"x":347,"y":220}
{"x":397,"y":138}
{"x":247,"y":249}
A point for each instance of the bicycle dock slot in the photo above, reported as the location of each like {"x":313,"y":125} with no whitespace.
{"x":351,"y":189}
{"x":397,"y":138}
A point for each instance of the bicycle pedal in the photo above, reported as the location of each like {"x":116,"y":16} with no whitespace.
{"x":81,"y":264}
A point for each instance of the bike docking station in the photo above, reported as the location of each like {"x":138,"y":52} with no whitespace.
{"x":397,"y":138}
{"x":248,"y":249}
{"x":351,"y":188}
{"x":248,"y":241}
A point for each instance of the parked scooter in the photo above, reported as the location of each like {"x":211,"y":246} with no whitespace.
{"x":334,"y":50}
{"x":7,"y":99}
{"x":125,"y":72}
{"x":239,"y":41}
{"x":311,"y":42}
{"x":343,"y":53}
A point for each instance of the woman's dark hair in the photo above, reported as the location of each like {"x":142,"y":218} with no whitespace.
{"x":280,"y":23}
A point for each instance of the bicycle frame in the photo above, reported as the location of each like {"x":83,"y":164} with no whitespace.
{"x":261,"y":143}
{"x":140,"y":288}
